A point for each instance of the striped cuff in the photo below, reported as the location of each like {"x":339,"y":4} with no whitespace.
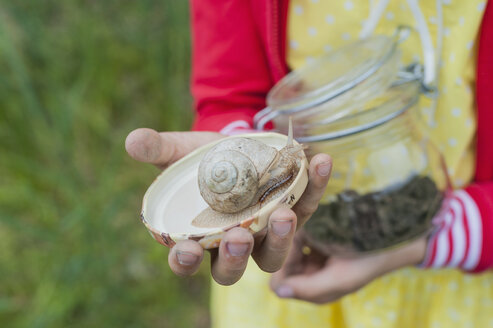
{"x":458,"y":238}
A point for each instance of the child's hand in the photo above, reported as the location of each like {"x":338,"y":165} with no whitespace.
{"x":317,"y":279}
{"x":229,"y":261}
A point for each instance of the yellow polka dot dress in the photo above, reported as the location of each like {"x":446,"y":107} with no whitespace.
{"x":409,"y":298}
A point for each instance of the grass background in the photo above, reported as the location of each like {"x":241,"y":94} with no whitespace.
{"x":75,"y":78}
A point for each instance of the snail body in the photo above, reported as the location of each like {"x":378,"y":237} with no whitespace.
{"x":241,"y":172}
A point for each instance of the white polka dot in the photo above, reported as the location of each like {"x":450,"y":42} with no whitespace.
{"x":462,"y":20}
{"x":456,"y":111}
{"x":298,"y":10}
{"x":312,"y":31}
{"x":348,"y":5}
{"x":329,"y":19}
{"x":486,"y":301}
{"x":336,"y":175}
{"x":366,"y":172}
{"x":392,"y":316}
{"x":451,"y":57}
{"x":469,"y":122}
{"x":468,"y":301}
{"x":315,"y":1}
{"x":433,"y":20}
{"x":416,"y":57}
{"x":376,"y":321}
{"x":446,"y":2}
{"x":453,"y":286}
{"x":481,"y":6}
{"x":327,"y":48}
{"x":468,"y":88}
{"x":389,"y":15}
{"x":453,"y":314}
{"x":435,"y":324}
{"x":434,"y":288}
{"x":452,"y":142}
{"x":293,"y":44}
{"x":459,"y":182}
{"x":309,"y":59}
{"x":458,"y":81}
{"x":346,"y":36}
{"x":446,"y":31}
{"x":469,"y":45}
{"x":444,"y":90}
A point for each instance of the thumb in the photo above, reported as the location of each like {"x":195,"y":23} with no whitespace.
{"x":165,"y":148}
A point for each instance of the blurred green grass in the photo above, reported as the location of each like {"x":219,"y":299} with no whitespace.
{"x":75,"y":78}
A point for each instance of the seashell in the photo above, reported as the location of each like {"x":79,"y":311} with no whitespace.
{"x":173,"y":208}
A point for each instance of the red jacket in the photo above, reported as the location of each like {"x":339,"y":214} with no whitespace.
{"x":239,"y":54}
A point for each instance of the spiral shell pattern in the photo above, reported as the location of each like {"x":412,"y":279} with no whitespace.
{"x":227,"y":180}
{"x":222,"y":177}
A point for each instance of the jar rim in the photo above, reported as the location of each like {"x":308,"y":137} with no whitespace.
{"x":396,"y":101}
{"x":381,"y":48}
{"x":388,"y":116}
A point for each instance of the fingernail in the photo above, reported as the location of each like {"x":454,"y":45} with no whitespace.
{"x":186,"y":258}
{"x":237,"y":249}
{"x":284,"y":291}
{"x":323,"y":169}
{"x":281,"y":227}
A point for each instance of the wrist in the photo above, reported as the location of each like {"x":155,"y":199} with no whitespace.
{"x":410,"y":254}
{"x":417,"y":251}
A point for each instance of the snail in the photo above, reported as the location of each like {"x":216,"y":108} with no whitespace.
{"x":238,"y":175}
{"x":173,"y":208}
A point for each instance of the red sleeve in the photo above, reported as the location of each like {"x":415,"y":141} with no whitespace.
{"x":230,"y":72}
{"x":484,"y":98}
{"x":463,"y":236}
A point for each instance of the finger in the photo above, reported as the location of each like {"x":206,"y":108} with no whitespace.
{"x":293,"y":259}
{"x":320,"y":287}
{"x":319,"y":172}
{"x":300,"y":260}
{"x":185,"y":257}
{"x":229,"y":263}
{"x":162,"y":149}
{"x":272,"y":252}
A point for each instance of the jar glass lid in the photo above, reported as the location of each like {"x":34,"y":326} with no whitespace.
{"x":327,"y":88}
{"x":331,"y":75}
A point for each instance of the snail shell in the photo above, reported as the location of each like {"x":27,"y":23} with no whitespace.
{"x":232,"y":173}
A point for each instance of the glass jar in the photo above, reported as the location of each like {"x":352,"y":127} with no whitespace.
{"x":359,"y":106}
